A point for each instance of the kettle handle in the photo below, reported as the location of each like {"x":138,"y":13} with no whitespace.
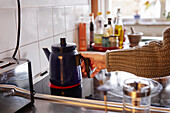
{"x":87,"y":66}
{"x":86,"y":61}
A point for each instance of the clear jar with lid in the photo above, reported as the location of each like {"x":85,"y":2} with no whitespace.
{"x":113,"y":41}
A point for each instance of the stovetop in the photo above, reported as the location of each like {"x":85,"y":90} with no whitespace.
{"x":89,"y":90}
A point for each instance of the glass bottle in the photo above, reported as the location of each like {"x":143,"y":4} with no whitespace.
{"x":110,"y":26}
{"x":119,"y":29}
{"x":105,"y":38}
{"x":91,"y":30}
{"x":114,"y":20}
{"x":98,"y":32}
{"x":108,"y":15}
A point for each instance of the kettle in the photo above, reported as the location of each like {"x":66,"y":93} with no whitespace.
{"x":64,"y":64}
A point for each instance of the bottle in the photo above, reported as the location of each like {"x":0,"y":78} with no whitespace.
{"x":98,"y":32}
{"x":114,"y":21}
{"x":110,"y":26}
{"x":113,"y":41}
{"x":82,"y":35}
{"x":108,"y":15}
{"x":105,"y":38}
{"x":91,"y":30}
{"x":119,"y":29}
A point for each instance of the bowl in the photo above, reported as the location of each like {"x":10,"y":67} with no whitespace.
{"x":134,"y":38}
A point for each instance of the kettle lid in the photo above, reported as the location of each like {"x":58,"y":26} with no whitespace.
{"x":63,"y":47}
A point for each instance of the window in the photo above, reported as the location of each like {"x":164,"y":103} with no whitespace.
{"x":145,"y":8}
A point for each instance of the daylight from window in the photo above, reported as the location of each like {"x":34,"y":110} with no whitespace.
{"x":144,"y":8}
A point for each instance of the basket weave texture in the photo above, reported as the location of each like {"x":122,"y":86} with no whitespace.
{"x":150,"y":61}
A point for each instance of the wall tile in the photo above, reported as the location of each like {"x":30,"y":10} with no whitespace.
{"x":45,"y":27}
{"x":6,"y":54}
{"x":43,"y":59}
{"x":8,"y":31}
{"x":57,"y":38}
{"x":29,"y":26}
{"x":39,"y":23}
{"x":86,"y":12}
{"x":31,"y":52}
{"x":8,"y":3}
{"x":70,"y":18}
{"x":59,"y":20}
{"x":72,"y":37}
{"x":76,"y":37}
{"x":78,"y":14}
{"x":40,"y":3}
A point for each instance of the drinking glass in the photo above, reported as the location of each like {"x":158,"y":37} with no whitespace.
{"x":136,"y":95}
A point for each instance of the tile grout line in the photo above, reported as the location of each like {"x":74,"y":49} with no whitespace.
{"x":65,"y":20}
{"x":37,"y":15}
{"x":53,"y":24}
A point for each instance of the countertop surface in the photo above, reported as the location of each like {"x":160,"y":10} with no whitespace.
{"x":90,"y":92}
{"x":42,"y":106}
{"x":53,"y":105}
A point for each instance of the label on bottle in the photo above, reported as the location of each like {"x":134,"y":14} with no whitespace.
{"x":91,"y":37}
{"x":105,"y":41}
{"x":110,"y":30}
{"x":98,"y":39}
{"x":113,"y":41}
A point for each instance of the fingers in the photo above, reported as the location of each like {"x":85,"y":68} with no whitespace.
{"x":91,"y":54}
{"x":84,"y":75}
{"x":83,"y":67}
{"x":96,"y":56}
{"x":101,"y":66}
{"x":95,"y":72}
{"x":96,"y":60}
{"x":93,"y":65}
{"x":87,"y":55}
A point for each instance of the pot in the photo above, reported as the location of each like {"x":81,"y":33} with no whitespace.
{"x":64,"y":65}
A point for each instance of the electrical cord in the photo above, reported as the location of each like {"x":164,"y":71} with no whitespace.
{"x":19,"y":30}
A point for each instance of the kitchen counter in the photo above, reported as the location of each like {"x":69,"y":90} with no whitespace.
{"x":92,"y":99}
{"x":44,"y":106}
{"x":58,"y":104}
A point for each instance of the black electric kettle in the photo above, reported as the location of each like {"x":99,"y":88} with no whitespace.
{"x":64,"y":65}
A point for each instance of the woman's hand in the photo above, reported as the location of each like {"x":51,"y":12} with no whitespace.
{"x":97,"y":62}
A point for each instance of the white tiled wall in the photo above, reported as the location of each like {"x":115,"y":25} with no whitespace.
{"x":43,"y":22}
{"x":59,"y":20}
{"x":29,"y":33}
{"x":70,"y":18}
{"x":7,"y":29}
{"x":31,"y":52}
{"x":43,"y":60}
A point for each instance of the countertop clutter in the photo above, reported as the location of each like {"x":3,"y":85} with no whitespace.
{"x":31,"y":83}
{"x":93,"y":101}
{"x":89,"y":99}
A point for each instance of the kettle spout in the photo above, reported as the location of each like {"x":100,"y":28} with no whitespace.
{"x":47,"y":52}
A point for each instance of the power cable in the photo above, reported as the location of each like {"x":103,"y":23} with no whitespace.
{"x":19,"y":30}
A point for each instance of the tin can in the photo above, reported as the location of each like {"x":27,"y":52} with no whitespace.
{"x":113,"y":41}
